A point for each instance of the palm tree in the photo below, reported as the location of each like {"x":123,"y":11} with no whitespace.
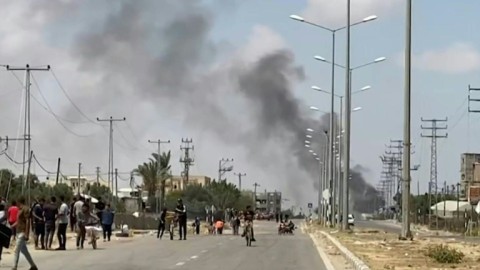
{"x":154,"y":173}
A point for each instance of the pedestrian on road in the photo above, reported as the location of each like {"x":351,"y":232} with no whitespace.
{"x":277,"y":218}
{"x":39,"y":223}
{"x":161,"y":223}
{"x":73,"y":220}
{"x":12,"y":217}
{"x":50,"y":213}
{"x":197,"y":225}
{"x":99,"y":207}
{"x":107,"y":222}
{"x":77,"y":208}
{"x":219,"y":226}
{"x":181,"y":211}
{"x":22,"y":226}
{"x":63,"y":214}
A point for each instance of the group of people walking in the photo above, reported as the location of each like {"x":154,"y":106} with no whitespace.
{"x":179,"y":218}
{"x":45,"y":218}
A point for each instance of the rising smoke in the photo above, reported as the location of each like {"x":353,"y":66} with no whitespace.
{"x":161,"y":53}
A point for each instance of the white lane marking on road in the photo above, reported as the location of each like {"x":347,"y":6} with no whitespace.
{"x":232,"y":238}
{"x":194,"y":257}
{"x":203,"y":251}
{"x":180,"y":264}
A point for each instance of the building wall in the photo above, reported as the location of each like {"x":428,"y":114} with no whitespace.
{"x":269,"y":202}
{"x":74,"y":183}
{"x":178,"y":183}
{"x":467,"y":172}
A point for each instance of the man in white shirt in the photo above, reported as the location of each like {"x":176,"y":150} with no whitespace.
{"x":62,"y":224}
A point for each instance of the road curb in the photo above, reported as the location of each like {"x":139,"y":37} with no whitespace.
{"x":326,"y":261}
{"x":357,"y":263}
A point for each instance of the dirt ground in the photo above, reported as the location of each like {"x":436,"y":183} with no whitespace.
{"x":382,"y":250}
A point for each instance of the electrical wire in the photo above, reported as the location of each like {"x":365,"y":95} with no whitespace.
{"x":54,"y":115}
{"x":14,"y":161}
{"x":43,"y":168}
{"x":71,"y":101}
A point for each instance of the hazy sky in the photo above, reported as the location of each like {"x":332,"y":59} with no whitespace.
{"x":188,"y":69}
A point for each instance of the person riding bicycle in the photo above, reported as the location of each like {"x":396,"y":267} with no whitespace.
{"x":248,"y":216}
{"x":86,"y":219}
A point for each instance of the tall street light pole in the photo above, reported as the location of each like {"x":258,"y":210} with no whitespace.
{"x":406,"y":233}
{"x":338,"y":188}
{"x":348,"y":108}
{"x":332,"y":111}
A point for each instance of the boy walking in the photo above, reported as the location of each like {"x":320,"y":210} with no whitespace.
{"x":22,"y":226}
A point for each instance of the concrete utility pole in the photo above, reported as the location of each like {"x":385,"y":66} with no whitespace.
{"x":186,"y":160}
{"x":26,"y":128}
{"x":79,"y":173}
{"x":98,"y":176}
{"x":160,"y":199}
{"x":255,"y":185}
{"x":348,"y":114}
{"x":406,"y":232}
{"x":110,"y":148}
{"x":223,"y":168}
{"x":116,"y":185}
{"x":240,"y":179}
{"x":433,"y":128}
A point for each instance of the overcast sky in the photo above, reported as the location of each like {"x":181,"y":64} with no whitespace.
{"x":201,"y":69}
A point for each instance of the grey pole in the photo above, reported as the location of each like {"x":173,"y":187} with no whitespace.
{"x":406,"y":233}
{"x":340,"y":140}
{"x":326,"y":174}
{"x":331,"y":161}
{"x":319,"y":209}
{"x":348,"y":112}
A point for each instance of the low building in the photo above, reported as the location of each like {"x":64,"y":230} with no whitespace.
{"x":178,"y":182}
{"x":269,"y":202}
{"x":77,"y":184}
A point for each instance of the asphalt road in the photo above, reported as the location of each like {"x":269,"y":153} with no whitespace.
{"x":271,"y":251}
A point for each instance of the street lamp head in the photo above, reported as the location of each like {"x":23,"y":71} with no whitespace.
{"x":316,"y":88}
{"x":365,"y":88}
{"x":317,"y":158}
{"x":307,"y":142}
{"x":310,"y":130}
{"x":311,"y":151}
{"x":319,"y":58}
{"x":357,"y":109}
{"x":380,"y":59}
{"x":297,"y":18}
{"x":314,"y":108}
{"x":370,"y":18}
{"x":307,"y":145}
{"x":314,"y":153}
{"x":308,"y":136}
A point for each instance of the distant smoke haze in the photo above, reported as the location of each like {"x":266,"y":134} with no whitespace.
{"x":160,"y":56}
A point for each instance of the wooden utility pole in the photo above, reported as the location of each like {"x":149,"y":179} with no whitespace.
{"x":58,"y":171}
{"x":255,"y":195}
{"x":240,"y":179}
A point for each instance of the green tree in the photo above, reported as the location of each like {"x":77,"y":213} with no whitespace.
{"x":100,"y":192}
{"x":154,"y":173}
{"x":223,"y":195}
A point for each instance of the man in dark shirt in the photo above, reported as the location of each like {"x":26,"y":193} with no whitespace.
{"x":50,"y":213}
{"x":181,"y":212}
{"x":248,"y":216}
{"x":39,"y":223}
{"x":161,"y":223}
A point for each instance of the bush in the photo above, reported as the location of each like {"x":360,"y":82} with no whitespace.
{"x":445,"y":254}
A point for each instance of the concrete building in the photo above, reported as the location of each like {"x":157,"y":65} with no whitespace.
{"x":269,"y":202}
{"x":470,"y":173}
{"x":76,"y":184}
{"x":178,"y":183}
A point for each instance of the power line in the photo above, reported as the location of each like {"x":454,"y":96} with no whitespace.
{"x":71,"y":101}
